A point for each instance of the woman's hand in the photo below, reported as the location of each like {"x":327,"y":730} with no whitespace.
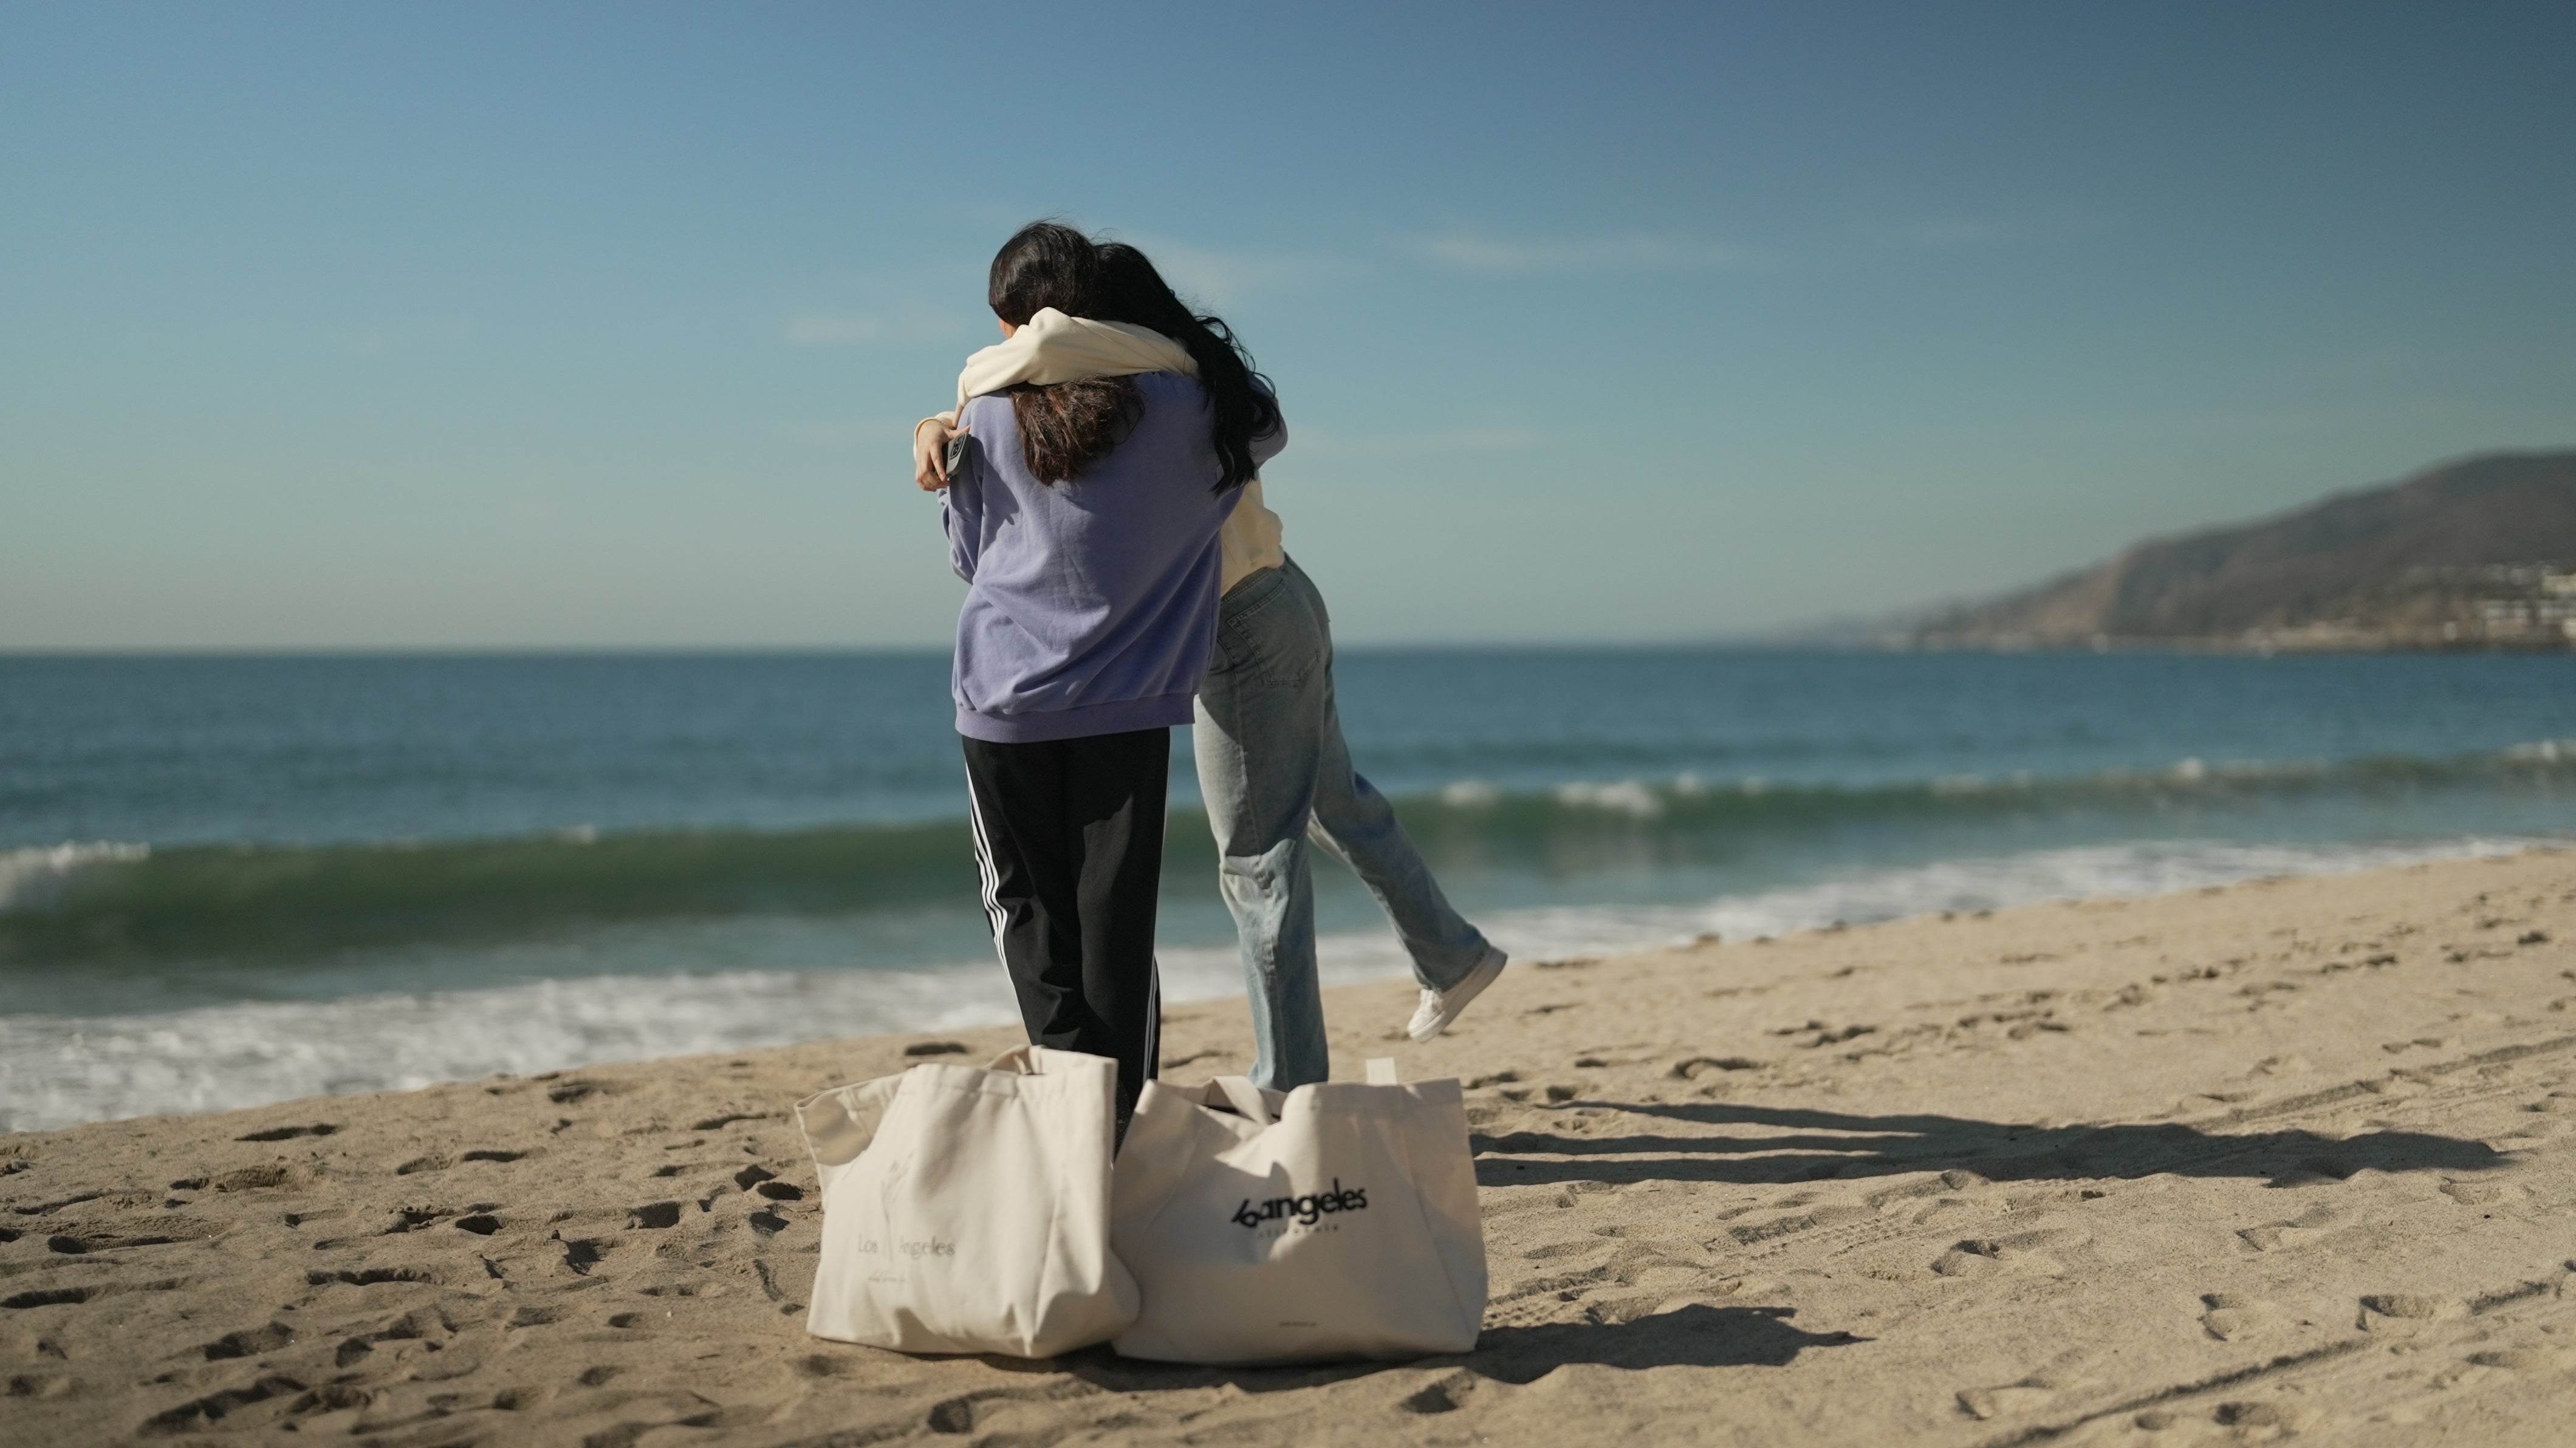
{"x":930,"y":453}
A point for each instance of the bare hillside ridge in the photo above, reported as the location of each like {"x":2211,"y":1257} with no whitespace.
{"x":2480,"y":552}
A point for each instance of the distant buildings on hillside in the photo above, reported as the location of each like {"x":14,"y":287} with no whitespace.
{"x":2522,"y":604}
{"x":2518,"y":606}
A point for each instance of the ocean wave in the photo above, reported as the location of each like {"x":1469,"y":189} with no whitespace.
{"x":107,"y":902}
{"x":60,"y":1070}
{"x":82,"y":903}
{"x":34,"y":877}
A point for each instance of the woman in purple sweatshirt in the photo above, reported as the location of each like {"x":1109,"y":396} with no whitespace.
{"x":1084,"y":519}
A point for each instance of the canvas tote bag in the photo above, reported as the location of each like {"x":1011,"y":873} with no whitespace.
{"x":1337,"y":1221}
{"x":967,"y":1211}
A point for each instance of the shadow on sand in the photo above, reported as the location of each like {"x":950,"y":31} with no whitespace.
{"x":1694,"y":1335}
{"x":1775,"y":1145}
{"x":1788,"y":1145}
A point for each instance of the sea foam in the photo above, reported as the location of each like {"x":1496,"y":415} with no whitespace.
{"x":57,"y":1071}
{"x":33,"y":877}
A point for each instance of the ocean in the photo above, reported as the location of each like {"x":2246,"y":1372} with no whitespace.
{"x":233,"y":880}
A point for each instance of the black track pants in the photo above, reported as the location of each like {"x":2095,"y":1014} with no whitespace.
{"x":1069,"y":836}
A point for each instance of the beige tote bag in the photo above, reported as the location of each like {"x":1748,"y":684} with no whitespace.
{"x":1338,"y":1221}
{"x":967,"y":1211}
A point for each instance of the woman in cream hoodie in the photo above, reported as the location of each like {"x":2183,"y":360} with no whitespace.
{"x":1272,"y":764}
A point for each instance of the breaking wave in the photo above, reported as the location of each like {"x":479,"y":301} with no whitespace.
{"x":59,"y":1070}
{"x":73,"y":903}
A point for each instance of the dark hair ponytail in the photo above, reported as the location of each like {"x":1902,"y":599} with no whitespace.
{"x":1067,"y":427}
{"x":1132,"y":291}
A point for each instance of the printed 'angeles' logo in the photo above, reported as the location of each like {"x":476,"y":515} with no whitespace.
{"x":915,"y":1248}
{"x":1305,"y":1210}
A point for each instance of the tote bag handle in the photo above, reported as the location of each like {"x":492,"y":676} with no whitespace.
{"x":1245,"y":1098}
{"x":1252,"y":1105}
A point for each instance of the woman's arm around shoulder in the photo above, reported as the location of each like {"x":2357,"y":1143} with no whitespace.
{"x":961,"y":510}
{"x":930,"y":450}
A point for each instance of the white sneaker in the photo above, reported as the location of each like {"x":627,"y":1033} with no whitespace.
{"x":1439,"y":1008}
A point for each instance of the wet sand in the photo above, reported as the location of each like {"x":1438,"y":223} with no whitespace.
{"x":2289,"y":1159}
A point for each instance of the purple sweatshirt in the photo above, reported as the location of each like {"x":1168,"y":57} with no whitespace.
{"x":1091,"y":604}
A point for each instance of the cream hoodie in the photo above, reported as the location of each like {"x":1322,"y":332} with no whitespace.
{"x":1056,"y":348}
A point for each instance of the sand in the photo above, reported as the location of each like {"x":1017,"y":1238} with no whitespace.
{"x":2289,"y":1159}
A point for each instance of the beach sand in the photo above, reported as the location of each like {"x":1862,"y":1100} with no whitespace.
{"x":2284,"y":1159}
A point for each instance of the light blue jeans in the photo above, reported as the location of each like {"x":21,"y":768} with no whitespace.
{"x":1277,"y":777}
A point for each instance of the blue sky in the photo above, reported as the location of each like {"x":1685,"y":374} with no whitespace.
{"x":560,"y":325}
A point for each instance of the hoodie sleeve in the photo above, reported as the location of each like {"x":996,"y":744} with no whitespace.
{"x":961,"y":513}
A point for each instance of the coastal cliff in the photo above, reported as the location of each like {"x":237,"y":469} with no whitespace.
{"x":2479,"y":553}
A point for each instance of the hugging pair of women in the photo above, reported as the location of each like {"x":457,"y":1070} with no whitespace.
{"x":1101,"y":491}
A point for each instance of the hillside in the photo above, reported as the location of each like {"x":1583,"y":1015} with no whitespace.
{"x":2479,"y":553}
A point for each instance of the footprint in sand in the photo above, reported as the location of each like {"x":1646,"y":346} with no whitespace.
{"x":2402,"y":1314}
{"x":1664,"y":1269}
{"x":1975,"y":1257}
{"x":251,"y":1342}
{"x":264,"y":1179}
{"x":2256,"y":1422}
{"x":49,"y":1297}
{"x":2024,"y":1253}
{"x":1830,"y":1217}
{"x":194,"y":1416}
{"x":967,"y":1412}
{"x":289,"y":1133}
{"x":1698,"y":1066}
{"x":566,"y":1093}
{"x":368,"y":1277}
{"x":2522,"y":1359}
{"x":2306,"y":1227}
{"x":2029,"y":1395}
{"x":2234,"y":1317}
{"x":721,"y":1121}
{"x":106,"y":1234}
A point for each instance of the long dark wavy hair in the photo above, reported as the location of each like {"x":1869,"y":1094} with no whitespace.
{"x":1068,"y":426}
{"x":1132,"y":291}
